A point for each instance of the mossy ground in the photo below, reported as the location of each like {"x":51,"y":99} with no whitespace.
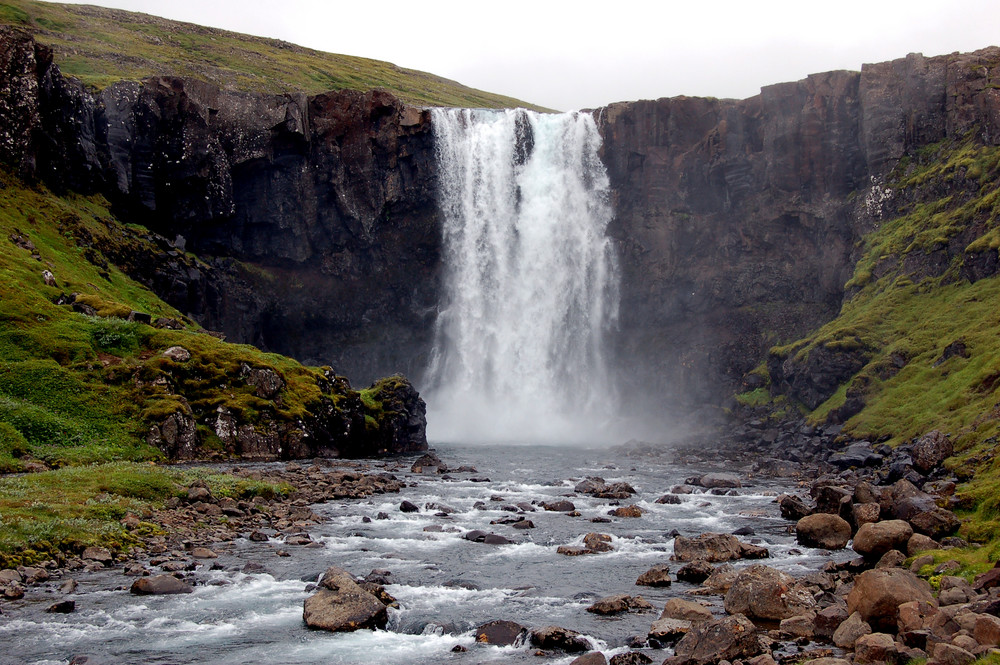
{"x":78,"y":390}
{"x":101,"y":46}
{"x":906,"y":316}
{"x":50,"y":514}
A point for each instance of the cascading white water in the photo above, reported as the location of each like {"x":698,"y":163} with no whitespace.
{"x":531,"y":279}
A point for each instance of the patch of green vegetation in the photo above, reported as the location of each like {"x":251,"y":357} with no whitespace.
{"x":972,"y":561}
{"x":754,"y":398}
{"x":224,"y":484}
{"x":910,"y":304}
{"x":89,"y":43}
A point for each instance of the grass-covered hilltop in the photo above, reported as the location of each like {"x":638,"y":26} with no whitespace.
{"x":100,"y":46}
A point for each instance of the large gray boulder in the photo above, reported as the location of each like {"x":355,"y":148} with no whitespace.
{"x":341,"y":605}
{"x":158,"y":585}
{"x":715,"y":547}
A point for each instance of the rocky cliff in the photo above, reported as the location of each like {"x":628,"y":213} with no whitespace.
{"x":314,"y":216}
{"x":738,"y":221}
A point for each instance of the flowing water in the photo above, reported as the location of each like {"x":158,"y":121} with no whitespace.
{"x":531,"y":281}
{"x":445,"y":585}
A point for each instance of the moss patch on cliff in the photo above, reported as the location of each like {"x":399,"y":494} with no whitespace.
{"x":101,"y":46}
{"x":922,"y":303}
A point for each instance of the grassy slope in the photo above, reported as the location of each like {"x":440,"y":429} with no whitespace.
{"x":956,"y":189}
{"x":100,"y":46}
{"x":78,"y":390}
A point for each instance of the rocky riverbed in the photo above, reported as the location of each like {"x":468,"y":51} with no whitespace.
{"x":628,"y":555}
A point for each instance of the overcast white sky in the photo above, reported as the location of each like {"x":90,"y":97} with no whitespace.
{"x":568,"y":55}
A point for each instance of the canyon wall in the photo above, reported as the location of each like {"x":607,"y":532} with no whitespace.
{"x":739,"y":221}
{"x":316,"y":222}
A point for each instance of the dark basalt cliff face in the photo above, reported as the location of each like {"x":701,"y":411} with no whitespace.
{"x":316,"y":221}
{"x":739,"y":220}
{"x":314,"y":216}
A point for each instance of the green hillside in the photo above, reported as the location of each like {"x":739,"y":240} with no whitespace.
{"x":924,"y":323}
{"x":101,"y":46}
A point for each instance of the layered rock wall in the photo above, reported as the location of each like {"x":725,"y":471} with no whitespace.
{"x":738,"y":221}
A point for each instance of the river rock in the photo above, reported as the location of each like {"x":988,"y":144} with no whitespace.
{"x":561,"y":506}
{"x":408,"y":507}
{"x":949,"y":654}
{"x":850,"y":630}
{"x":934,"y":522}
{"x":728,"y":638}
{"x":342,"y":606}
{"x":823,"y":530}
{"x":598,"y":542}
{"x":657,"y":576}
{"x":501,"y":633}
{"x":695,"y":572}
{"x":930,"y":451}
{"x":863,"y":513}
{"x":875,"y":539}
{"x":668,"y":499}
{"x":828,"y":620}
{"x":592,"y":658}
{"x":62,"y":607}
{"x":875,"y":648}
{"x":918,"y":542}
{"x":555,"y":637}
{"x":762,"y":592}
{"x":793,"y":507}
{"x":668,"y":631}
{"x":630,"y":658}
{"x":800,"y":625}
{"x":714,"y":547}
{"x":685,"y":610}
{"x":620,"y":603}
{"x":877,"y":595}
{"x":627,"y":511}
{"x":158,"y":585}
{"x":713,"y":480}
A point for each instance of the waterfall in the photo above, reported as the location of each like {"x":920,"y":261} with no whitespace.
{"x":530,"y":279}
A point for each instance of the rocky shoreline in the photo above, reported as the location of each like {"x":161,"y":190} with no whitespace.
{"x":890,"y":505}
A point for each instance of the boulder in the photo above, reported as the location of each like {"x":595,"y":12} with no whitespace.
{"x":561,"y":506}
{"x":800,"y":625}
{"x":598,"y":542}
{"x":762,"y":592}
{"x":501,"y":633}
{"x":792,"y":507}
{"x":863,"y":513}
{"x":685,"y":610}
{"x":875,"y":539}
{"x":918,"y":542}
{"x":915,"y":615}
{"x":554,"y":637}
{"x":657,"y":576}
{"x":934,"y":522}
{"x":713,"y":480}
{"x":592,"y":658}
{"x":877,"y":595}
{"x":987,"y":630}
{"x":695,"y":572}
{"x":930,"y":451}
{"x":618,"y":604}
{"x":714,"y":547}
{"x":823,"y":530}
{"x":875,"y":648}
{"x":627,"y":511}
{"x":630,"y":658}
{"x":158,"y":585}
{"x":850,"y":630}
{"x":668,"y":631}
{"x":99,"y":554}
{"x":341,"y":605}
{"x":949,"y":654}
{"x":728,"y":638}
{"x":178,"y":354}
{"x":408,"y":507}
{"x":827,"y":621}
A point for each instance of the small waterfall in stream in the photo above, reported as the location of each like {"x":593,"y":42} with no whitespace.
{"x":530,"y":282}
